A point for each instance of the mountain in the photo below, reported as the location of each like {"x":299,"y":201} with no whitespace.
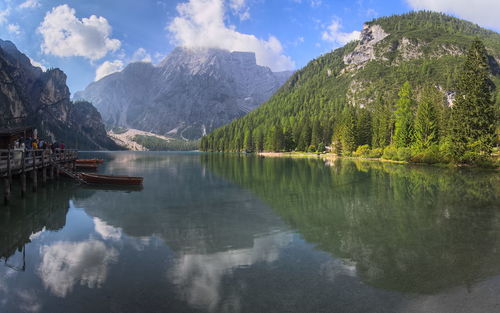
{"x":365,"y":76}
{"x":190,"y":93}
{"x":32,"y":97}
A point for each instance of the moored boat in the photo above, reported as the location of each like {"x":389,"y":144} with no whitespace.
{"x":89,"y":161}
{"x":86,"y":166}
{"x":111,"y":179}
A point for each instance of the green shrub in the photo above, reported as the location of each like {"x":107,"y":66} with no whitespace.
{"x":362,"y":151}
{"x":321,"y":147}
{"x":376,"y":153}
{"x":390,"y":153}
{"x":430,"y":155}
{"x":404,"y":154}
{"x":312,"y":148}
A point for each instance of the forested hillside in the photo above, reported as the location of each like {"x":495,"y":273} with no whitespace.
{"x":355,"y":97}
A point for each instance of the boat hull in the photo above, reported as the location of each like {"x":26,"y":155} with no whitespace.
{"x":111,"y":180}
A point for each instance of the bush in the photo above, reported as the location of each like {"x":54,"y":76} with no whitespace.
{"x":362,"y":151}
{"x":312,"y":148}
{"x":430,"y":155}
{"x":404,"y":154}
{"x":390,"y":153}
{"x":376,"y":153}
{"x":321,"y":147}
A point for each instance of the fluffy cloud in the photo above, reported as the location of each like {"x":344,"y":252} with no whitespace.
{"x":140,"y":55}
{"x":201,"y":23}
{"x":14,"y":29}
{"x":65,"y":35}
{"x":483,"y":12}
{"x":29,"y":4}
{"x":333,"y":34}
{"x":108,"y":68}
{"x":239,"y":7}
{"x":4,"y":14}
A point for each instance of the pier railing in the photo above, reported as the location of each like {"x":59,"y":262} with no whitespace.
{"x":13,"y":162}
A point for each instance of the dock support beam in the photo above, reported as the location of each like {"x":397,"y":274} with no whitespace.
{"x":44,"y":169}
{"x":7,"y":190}
{"x":23,"y":174}
{"x":34,"y":174}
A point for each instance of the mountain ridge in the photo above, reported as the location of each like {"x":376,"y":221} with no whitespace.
{"x":191,"y":92}
{"x":424,"y":48}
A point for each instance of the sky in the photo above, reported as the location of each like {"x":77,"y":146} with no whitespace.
{"x":89,"y":39}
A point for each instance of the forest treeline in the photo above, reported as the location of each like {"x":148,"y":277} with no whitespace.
{"x":421,"y":124}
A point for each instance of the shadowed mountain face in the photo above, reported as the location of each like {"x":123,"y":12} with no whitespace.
{"x":30,"y":96}
{"x":190,"y":93}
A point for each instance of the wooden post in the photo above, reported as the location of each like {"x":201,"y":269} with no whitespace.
{"x":9,"y":170}
{"x":6,"y":190}
{"x":23,"y":173}
{"x":44,"y":169}
{"x":34,"y":173}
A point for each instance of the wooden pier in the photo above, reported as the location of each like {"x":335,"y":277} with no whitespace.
{"x":43,"y":163}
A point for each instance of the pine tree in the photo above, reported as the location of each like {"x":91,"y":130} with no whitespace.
{"x":473,"y":114}
{"x":364,"y":127}
{"x":348,"y":132}
{"x":403,"y":133}
{"x":426,"y":120}
{"x":248,"y":142}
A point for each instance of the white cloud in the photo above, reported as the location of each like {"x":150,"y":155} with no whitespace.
{"x":108,"y":68}
{"x":140,"y":55}
{"x":14,"y":29}
{"x":65,"y":264}
{"x":4,"y":14}
{"x":333,"y":34}
{"x":483,"y":12}
{"x":30,"y":4}
{"x":40,"y":65}
{"x":201,"y":23}
{"x":239,"y":7}
{"x":65,"y":35}
{"x":315,"y":3}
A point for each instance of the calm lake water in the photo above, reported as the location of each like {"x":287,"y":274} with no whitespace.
{"x":228,"y":233}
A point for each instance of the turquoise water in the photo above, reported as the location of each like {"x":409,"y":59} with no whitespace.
{"x":228,"y":233}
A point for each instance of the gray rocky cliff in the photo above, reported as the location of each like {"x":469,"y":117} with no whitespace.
{"x":32,"y":97}
{"x":190,"y":93}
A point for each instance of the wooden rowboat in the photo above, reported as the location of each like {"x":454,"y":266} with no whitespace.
{"x":89,"y":161}
{"x":110,"y":179}
{"x":86,"y":166}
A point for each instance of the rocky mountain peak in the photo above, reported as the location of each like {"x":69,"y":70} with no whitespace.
{"x":191,"y":92}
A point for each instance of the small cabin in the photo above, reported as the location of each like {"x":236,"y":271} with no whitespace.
{"x":9,"y":136}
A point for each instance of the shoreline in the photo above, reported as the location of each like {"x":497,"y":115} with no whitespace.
{"x":332,"y":157}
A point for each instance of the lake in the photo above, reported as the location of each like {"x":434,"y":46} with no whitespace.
{"x":229,"y":233}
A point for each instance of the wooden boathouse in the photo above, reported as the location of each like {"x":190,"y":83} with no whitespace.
{"x":20,"y":163}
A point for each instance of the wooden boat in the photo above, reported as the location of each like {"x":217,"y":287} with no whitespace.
{"x":86,"y":166}
{"x":89,"y":161}
{"x":111,"y":179}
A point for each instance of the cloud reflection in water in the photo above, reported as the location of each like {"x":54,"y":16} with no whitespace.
{"x":66,"y":263}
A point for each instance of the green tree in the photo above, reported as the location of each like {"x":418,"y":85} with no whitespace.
{"x":473,"y":113}
{"x":426,"y":120}
{"x":348,"y":130}
{"x":404,"y":133}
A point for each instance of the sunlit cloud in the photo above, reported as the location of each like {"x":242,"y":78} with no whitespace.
{"x":65,"y":35}
{"x":201,"y":23}
{"x":482,"y":12}
{"x":334,"y":34}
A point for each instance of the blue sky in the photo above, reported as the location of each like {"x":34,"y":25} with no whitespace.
{"x":91,"y":38}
